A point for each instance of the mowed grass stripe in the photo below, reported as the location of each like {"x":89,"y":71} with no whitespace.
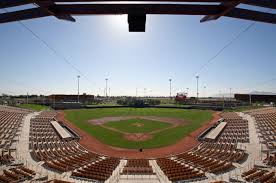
{"x":130,"y":126}
{"x":170,"y":136}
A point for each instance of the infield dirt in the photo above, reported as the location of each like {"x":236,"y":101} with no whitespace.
{"x":94,"y":145}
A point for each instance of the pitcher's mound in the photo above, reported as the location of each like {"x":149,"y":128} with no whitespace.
{"x":138,"y":137}
{"x":138,"y":124}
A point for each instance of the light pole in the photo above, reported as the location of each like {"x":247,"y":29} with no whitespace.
{"x":230,"y":96}
{"x":230,"y":92}
{"x":145,"y":92}
{"x":197,"y":77}
{"x":106,"y":80}
{"x":170,"y":80}
{"x":78,"y":88}
{"x":150,"y":93}
{"x":187,"y":91}
{"x":220,"y":97}
{"x":27,"y":98}
{"x":223,"y":100}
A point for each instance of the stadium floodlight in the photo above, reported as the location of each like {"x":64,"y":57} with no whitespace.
{"x":230,"y":96}
{"x":137,"y":22}
{"x":187,"y":91}
{"x":230,"y":90}
{"x":170,"y":80}
{"x":27,"y":98}
{"x":106,"y":80}
{"x":145,"y":90}
{"x":197,"y":94}
{"x":78,"y":88}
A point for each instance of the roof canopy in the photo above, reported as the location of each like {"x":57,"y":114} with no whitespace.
{"x":210,"y":9}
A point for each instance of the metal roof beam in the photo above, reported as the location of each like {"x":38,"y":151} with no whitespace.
{"x":23,"y":15}
{"x":261,"y":3}
{"x":109,"y":9}
{"x":227,"y":7}
{"x":252,"y":15}
{"x":46,"y":4}
{"x":113,"y":9}
{"x":172,"y":1}
{"x":12,"y":3}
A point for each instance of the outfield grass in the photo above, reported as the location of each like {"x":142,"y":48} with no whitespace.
{"x":242,"y":109}
{"x":33,"y":107}
{"x":130,"y":127}
{"x":170,"y":136}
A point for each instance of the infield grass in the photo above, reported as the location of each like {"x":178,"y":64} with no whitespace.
{"x":133,"y":125}
{"x":81,"y":117}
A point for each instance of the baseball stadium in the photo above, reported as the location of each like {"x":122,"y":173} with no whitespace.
{"x":119,"y":122}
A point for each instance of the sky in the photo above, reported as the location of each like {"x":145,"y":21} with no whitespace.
{"x":99,"y":47}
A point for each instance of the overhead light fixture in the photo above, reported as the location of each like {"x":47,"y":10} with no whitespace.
{"x":137,"y":22}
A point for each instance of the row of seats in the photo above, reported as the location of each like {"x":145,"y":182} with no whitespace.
{"x":213,"y":157}
{"x":10,"y":121}
{"x":204,"y":162}
{"x":220,"y":151}
{"x":236,"y":129}
{"x":270,"y":159}
{"x":259,"y":175}
{"x":138,"y":166}
{"x":17,"y":174}
{"x":66,"y":155}
{"x":99,"y":170}
{"x":176,"y":171}
{"x":6,"y":157}
{"x":265,"y":119}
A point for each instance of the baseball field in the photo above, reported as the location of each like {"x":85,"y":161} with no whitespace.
{"x":133,"y":128}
